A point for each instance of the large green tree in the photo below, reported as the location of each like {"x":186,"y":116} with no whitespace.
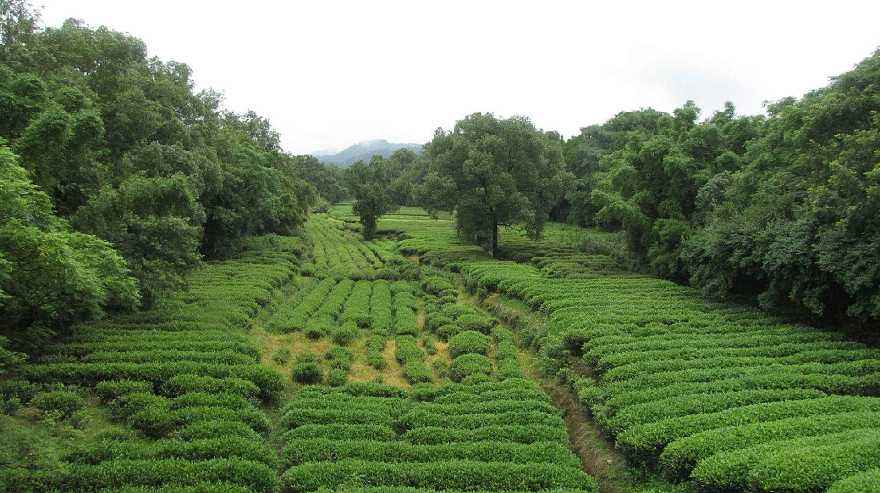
{"x":50,"y":276}
{"x":494,"y":172}
{"x":369,"y":185}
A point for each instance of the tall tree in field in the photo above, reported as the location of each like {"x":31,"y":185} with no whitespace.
{"x":369,"y":187}
{"x":494,"y":172}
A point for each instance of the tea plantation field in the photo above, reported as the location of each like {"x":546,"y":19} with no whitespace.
{"x":323,"y":362}
{"x":319,"y":362}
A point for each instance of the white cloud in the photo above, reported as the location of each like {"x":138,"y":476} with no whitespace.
{"x":331,"y":73}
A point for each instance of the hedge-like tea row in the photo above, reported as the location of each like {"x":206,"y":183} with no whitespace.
{"x":644,"y":442}
{"x":415,"y":419}
{"x":267,"y":380}
{"x":468,"y":341}
{"x":289,"y":317}
{"x":405,"y":306}
{"x":799,"y":465}
{"x":682,"y":455}
{"x":322,"y":450}
{"x":380,"y":308}
{"x":433,"y":435}
{"x":437,"y":475}
{"x":863,"y":482}
{"x":81,"y":349}
{"x":357,"y":307}
{"x":342,"y":432}
{"x":412,"y":357}
{"x":470,"y":364}
{"x":297,"y":319}
{"x":255,"y":476}
{"x":298,"y":417}
{"x":185,"y":376}
{"x":331,"y":306}
{"x":506,"y":354}
{"x":195,"y":450}
{"x":160,"y":355}
{"x":375,"y":352}
{"x":341,"y":254}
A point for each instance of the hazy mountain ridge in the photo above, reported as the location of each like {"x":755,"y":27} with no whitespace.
{"x":364,"y":150}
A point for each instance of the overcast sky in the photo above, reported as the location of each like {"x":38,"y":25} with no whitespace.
{"x":331,"y":73}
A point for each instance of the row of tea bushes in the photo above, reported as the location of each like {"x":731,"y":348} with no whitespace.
{"x":665,"y":357}
{"x":723,"y":396}
{"x":182,"y":380}
{"x":494,"y":436}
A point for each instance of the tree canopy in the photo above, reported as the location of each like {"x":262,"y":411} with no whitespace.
{"x":494,"y":172}
{"x":368,"y":183}
{"x":127,"y":164}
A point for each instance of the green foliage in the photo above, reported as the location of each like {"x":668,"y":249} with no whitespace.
{"x":412,"y":357}
{"x":862,"y":482}
{"x":127,"y":150}
{"x":306,"y":369}
{"x":494,"y":172}
{"x":469,"y":364}
{"x":50,"y":276}
{"x":65,"y":402}
{"x":468,"y":341}
{"x":438,"y":475}
{"x":369,"y":187}
{"x":798,"y":224}
{"x":9,"y":360}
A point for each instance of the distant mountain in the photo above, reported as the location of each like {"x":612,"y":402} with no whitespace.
{"x":365,"y":151}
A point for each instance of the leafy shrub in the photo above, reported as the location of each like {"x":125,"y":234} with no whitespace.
{"x":469,"y":364}
{"x":185,"y":383}
{"x":315,"y":331}
{"x":306,"y":370}
{"x":682,"y":455}
{"x":62,"y":401}
{"x":340,"y":431}
{"x":469,"y":341}
{"x":281,"y":355}
{"x":111,"y":389}
{"x":345,"y":334}
{"x":339,"y":357}
{"x":863,"y":482}
{"x":375,"y":349}
{"x":18,"y":389}
{"x":337,"y":377}
{"x":433,"y":435}
{"x":154,"y":421}
{"x":477,"y":322}
{"x":296,"y":417}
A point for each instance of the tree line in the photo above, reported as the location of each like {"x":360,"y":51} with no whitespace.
{"x":781,"y":209}
{"x":117,"y":177}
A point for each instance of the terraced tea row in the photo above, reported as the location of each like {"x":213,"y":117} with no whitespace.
{"x":182,"y":381}
{"x":723,"y":396}
{"x":503,"y":436}
{"x":338,"y":252}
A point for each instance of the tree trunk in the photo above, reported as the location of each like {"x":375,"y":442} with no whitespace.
{"x":494,"y":238}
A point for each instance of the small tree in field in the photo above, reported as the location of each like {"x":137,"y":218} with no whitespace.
{"x":369,"y":185}
{"x":493,"y":173}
